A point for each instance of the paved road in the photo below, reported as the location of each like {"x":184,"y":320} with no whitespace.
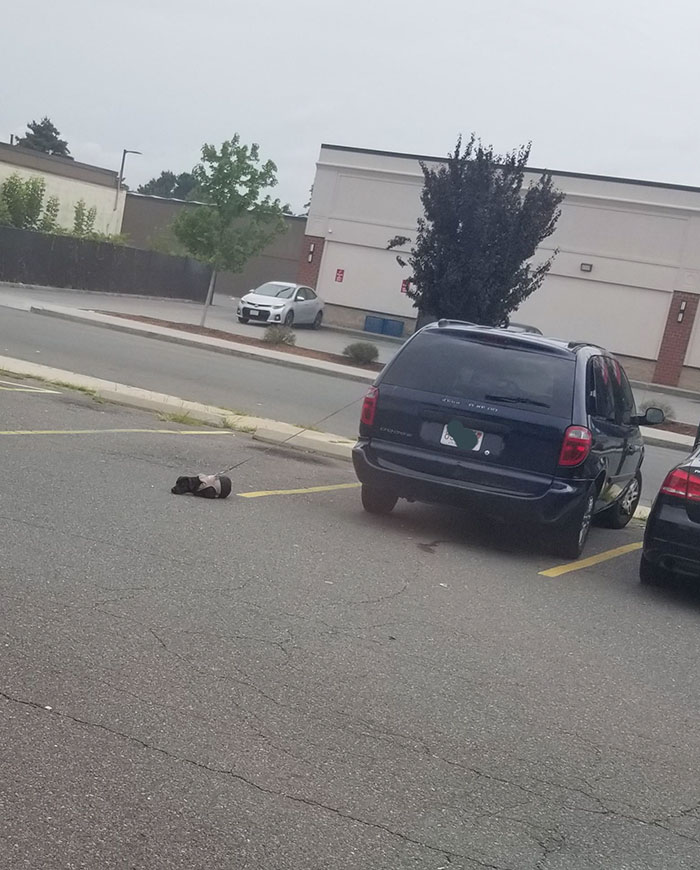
{"x":249,"y":386}
{"x":283,"y":682}
{"x":222,"y":315}
{"x":244,"y":385}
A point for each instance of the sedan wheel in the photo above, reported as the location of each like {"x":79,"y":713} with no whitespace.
{"x":289,"y":318}
{"x":318,"y":320}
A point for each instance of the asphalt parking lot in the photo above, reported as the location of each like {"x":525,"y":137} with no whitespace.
{"x":279,"y":680}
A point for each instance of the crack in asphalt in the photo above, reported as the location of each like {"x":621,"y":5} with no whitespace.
{"x":310,"y":802}
{"x":104,"y":542}
{"x":603,"y":811}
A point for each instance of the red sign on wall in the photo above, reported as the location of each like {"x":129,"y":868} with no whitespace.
{"x":339,"y":275}
{"x":404,"y":285}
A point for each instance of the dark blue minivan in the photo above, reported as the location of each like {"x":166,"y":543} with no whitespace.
{"x":515,"y":426}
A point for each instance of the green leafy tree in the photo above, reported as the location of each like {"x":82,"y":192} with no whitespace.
{"x":5,"y":218}
{"x":49,"y":219}
{"x":238,"y":219}
{"x":171,"y":186}
{"x":43,"y":136}
{"x":23,"y":203}
{"x":470,"y":260}
{"x":13,"y":195}
{"x":83,"y":219}
{"x":34,"y":190}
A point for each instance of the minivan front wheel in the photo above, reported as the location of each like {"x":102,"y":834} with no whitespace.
{"x":621,"y":512}
{"x":571,"y":538}
{"x":377,"y":501}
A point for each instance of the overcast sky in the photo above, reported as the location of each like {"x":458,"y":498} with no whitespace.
{"x":602,"y":86}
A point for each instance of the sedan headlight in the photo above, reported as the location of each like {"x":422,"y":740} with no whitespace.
{"x":277,"y":307}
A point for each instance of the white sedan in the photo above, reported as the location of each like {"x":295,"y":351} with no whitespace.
{"x":281,"y":302}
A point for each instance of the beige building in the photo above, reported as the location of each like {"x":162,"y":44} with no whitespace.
{"x":70,"y":181}
{"x":626,"y":275}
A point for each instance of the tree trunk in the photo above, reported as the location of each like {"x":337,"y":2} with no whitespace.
{"x":210,"y":296}
{"x":423,"y":319}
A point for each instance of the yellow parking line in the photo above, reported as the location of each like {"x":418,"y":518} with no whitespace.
{"x":591,"y":560}
{"x":298,"y":491}
{"x":113,"y":431}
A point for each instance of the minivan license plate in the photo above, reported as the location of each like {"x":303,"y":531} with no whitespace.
{"x":456,"y":435}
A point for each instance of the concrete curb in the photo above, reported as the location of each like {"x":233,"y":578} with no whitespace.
{"x":670,"y":391}
{"x":672,"y":440}
{"x":642,"y":513}
{"x":261,"y":428}
{"x":217,"y":345}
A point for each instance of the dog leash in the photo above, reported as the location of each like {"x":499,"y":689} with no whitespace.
{"x":287,"y":440}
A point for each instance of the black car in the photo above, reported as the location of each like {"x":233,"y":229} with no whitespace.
{"x":672,"y":535}
{"x":510,"y":425}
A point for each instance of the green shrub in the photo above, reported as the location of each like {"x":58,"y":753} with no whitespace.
{"x":362,"y":352}
{"x":280,"y":335}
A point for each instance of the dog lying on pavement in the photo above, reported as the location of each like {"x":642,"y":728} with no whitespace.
{"x":204,"y":486}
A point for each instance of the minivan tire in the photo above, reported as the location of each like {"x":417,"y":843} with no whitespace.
{"x":570,"y":539}
{"x":377,"y":501}
{"x":621,"y":512}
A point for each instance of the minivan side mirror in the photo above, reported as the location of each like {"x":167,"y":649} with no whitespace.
{"x":652,"y":417}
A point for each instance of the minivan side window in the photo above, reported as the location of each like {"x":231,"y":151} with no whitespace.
{"x":625,"y":408}
{"x":602,"y":401}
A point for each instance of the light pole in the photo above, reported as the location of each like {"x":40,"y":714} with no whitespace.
{"x":121,"y":175}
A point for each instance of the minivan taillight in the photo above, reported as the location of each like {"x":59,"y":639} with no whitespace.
{"x":682,"y":484}
{"x":576,"y":446}
{"x":369,"y":406}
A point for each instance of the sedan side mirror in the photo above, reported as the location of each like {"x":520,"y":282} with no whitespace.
{"x":652,"y":417}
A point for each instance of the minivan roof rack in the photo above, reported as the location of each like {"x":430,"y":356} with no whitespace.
{"x":575,"y":344}
{"x":444,"y":321}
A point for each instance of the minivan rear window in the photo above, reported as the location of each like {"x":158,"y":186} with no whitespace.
{"x":468,"y":369}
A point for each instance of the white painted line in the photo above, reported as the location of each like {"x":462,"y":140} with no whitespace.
{"x":12,"y":387}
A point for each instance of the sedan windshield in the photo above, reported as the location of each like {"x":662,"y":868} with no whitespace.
{"x":281,"y":291}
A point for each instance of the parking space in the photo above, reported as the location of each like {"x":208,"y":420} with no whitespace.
{"x":47,"y":422}
{"x":382,"y":690}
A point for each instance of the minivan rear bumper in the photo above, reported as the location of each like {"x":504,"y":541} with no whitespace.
{"x":555,"y":506}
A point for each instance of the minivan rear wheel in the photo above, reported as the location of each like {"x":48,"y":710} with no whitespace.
{"x":377,"y":501}
{"x":571,"y":538}
{"x":621,"y":512}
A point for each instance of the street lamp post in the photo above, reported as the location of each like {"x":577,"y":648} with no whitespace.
{"x":120,"y":179}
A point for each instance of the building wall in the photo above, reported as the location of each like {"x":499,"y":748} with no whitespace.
{"x":70,"y":181}
{"x":640,"y":239}
{"x":147,"y":223}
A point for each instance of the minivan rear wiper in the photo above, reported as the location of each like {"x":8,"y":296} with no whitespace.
{"x":517,"y":400}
